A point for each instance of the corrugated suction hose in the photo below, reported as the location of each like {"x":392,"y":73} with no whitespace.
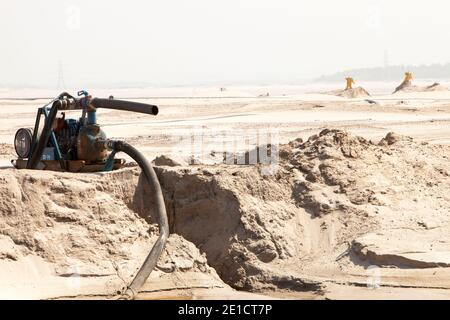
{"x":158,"y":247}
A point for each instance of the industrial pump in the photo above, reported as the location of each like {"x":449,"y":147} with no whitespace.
{"x":80,"y":145}
{"x":70,"y":144}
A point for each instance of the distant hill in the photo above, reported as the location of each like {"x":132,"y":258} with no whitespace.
{"x":391,"y":73}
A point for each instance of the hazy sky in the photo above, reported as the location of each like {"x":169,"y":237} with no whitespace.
{"x":208,"y":41}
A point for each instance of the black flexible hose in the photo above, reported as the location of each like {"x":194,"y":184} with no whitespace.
{"x":158,"y":247}
{"x":124,"y":105}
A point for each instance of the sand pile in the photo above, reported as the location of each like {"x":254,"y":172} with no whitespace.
{"x":336,"y":204}
{"x":306,"y":226}
{"x":76,"y":234}
{"x":358,"y":92}
{"x":409,"y":87}
{"x":436,"y":87}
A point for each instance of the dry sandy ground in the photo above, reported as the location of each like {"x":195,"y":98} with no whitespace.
{"x":424,"y":116}
{"x":339,"y":215}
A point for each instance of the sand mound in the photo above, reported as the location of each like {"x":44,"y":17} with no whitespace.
{"x":435,"y":87}
{"x":335,"y":204}
{"x":78,"y":234}
{"x":282,"y":231}
{"x":408,"y":87}
{"x":358,"y":92}
{"x":164,"y":160}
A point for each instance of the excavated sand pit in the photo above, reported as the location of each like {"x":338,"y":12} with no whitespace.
{"x":335,"y":205}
